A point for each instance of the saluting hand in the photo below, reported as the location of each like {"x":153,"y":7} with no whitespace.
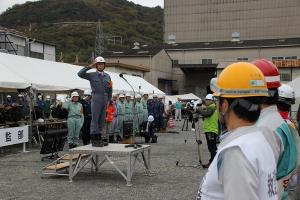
{"x":93,"y":65}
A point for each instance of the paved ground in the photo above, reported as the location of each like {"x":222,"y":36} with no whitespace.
{"x":20,"y":175}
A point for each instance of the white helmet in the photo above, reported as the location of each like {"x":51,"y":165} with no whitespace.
{"x":209,"y":97}
{"x":40,"y":120}
{"x":160,"y":96}
{"x":40,"y":96}
{"x":74,"y":94}
{"x":48,"y":97}
{"x":115,"y":95}
{"x":286,"y":94}
{"x":150,"y":97}
{"x":213,"y":84}
{"x":99,"y":59}
{"x":150,"y":118}
{"x":128,"y":95}
{"x":138,"y":96}
{"x":121,"y":96}
{"x":87,"y":93}
{"x":8,"y":96}
{"x":20,"y":95}
{"x":154,"y":95}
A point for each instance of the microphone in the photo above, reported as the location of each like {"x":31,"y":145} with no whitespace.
{"x":122,"y":76}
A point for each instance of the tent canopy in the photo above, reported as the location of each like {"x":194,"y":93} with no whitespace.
{"x":22,"y":72}
{"x":182,"y":97}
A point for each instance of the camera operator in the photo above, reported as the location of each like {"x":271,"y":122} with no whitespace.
{"x":191,"y":114}
{"x":210,"y":125}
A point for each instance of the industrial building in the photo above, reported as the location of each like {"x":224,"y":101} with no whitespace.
{"x":18,"y":43}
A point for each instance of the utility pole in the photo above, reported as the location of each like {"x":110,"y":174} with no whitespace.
{"x":99,"y":40}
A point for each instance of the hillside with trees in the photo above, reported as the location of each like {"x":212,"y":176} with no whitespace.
{"x":64,"y":23}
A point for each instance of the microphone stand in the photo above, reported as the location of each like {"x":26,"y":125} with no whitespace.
{"x":135,"y":145}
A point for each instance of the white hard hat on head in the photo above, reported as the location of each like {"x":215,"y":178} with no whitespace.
{"x":160,"y":96}
{"x":74,"y":94}
{"x":150,"y":97}
{"x":8,"y":96}
{"x":48,"y":97}
{"x":286,"y":94}
{"x":99,"y":59}
{"x":154,"y":95}
{"x":138,"y":96}
{"x":115,"y":95}
{"x":20,"y":95}
{"x":150,"y":118}
{"x":121,"y":96}
{"x":40,"y":96}
{"x":128,"y":95}
{"x":87,"y":92}
{"x":209,"y":97}
{"x":40,"y":120}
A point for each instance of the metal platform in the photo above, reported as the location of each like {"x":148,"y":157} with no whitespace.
{"x":99,"y":155}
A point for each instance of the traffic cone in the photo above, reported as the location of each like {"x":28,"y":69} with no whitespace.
{"x":171,"y":124}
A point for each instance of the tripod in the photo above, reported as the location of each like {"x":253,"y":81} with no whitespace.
{"x":198,"y":141}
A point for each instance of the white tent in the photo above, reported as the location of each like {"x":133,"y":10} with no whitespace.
{"x":10,"y":80}
{"x":42,"y":75}
{"x":182,"y":97}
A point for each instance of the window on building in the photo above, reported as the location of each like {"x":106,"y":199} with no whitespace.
{"x":242,"y":59}
{"x":36,"y":55}
{"x":277,"y":58}
{"x":174,"y":63}
{"x":285,"y":77}
{"x":137,"y":75}
{"x":206,"y":61}
{"x":290,"y":57}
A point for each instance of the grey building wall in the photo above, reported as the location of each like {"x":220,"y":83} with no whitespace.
{"x":216,"y":20}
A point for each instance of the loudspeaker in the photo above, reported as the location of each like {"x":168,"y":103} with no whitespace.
{"x":54,"y":141}
{"x":127,"y":128}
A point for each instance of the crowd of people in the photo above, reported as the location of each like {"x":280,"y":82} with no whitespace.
{"x":258,"y":157}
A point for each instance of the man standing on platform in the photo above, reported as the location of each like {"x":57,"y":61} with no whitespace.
{"x":101,"y":85}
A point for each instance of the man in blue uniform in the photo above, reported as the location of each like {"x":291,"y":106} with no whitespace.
{"x":101,"y":85}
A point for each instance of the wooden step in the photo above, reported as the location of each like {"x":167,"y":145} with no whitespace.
{"x":74,"y":156}
{"x":59,"y":166}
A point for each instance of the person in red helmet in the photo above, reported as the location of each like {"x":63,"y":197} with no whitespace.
{"x":281,"y":140}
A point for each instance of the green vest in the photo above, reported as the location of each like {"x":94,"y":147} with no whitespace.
{"x":210,"y":123}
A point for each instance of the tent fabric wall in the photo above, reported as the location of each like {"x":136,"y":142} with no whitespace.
{"x":11,"y":80}
{"x":42,"y":75}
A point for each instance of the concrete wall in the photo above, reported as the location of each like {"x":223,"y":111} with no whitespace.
{"x":216,"y":20}
{"x":160,"y":66}
{"x":189,"y":82}
{"x":125,"y":71}
{"x":144,"y":62}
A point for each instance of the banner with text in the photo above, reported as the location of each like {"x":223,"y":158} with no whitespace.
{"x":10,"y":136}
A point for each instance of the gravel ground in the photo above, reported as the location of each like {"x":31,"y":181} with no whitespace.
{"x":21,"y":175}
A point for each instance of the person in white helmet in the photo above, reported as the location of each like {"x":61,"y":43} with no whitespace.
{"x":87,"y":113}
{"x":75,"y":119}
{"x":24,"y":106}
{"x":208,"y":110}
{"x":286,"y":98}
{"x":144,"y":103}
{"x":40,"y":106}
{"x":121,"y":115}
{"x":47,"y":110}
{"x":102,"y":88}
{"x":139,"y":118}
{"x":128,"y":108}
{"x":149,"y":130}
{"x":8,"y":101}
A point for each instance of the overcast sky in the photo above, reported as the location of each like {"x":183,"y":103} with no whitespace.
{"x":4,"y":4}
